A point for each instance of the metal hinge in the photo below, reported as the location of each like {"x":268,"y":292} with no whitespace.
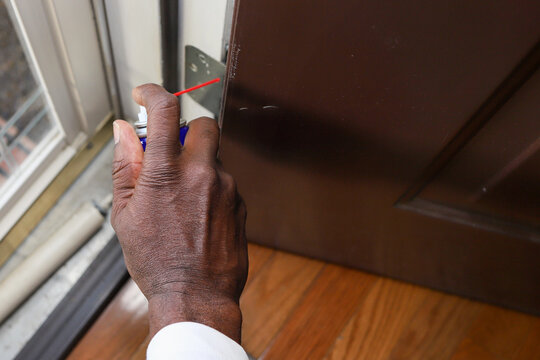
{"x":200,"y":68}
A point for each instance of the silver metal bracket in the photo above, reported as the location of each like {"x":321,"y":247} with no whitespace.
{"x":200,"y":68}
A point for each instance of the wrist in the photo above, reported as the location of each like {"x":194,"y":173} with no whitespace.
{"x":221,"y":314}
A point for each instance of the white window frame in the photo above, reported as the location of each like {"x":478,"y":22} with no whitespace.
{"x":62,"y":48}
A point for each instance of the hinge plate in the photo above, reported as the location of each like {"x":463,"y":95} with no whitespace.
{"x":200,"y":68}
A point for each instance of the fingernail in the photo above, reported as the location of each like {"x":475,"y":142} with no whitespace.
{"x":116,"y":132}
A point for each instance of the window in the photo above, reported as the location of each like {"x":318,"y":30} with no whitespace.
{"x":25,"y":119}
{"x":54,"y":94}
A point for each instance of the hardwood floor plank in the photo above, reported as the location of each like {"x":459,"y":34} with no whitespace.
{"x":272,"y":295}
{"x":119,"y":330}
{"x":501,"y":333}
{"x":140,"y":353}
{"x":298,"y":308}
{"x":322,"y":314}
{"x":530,"y":349}
{"x":468,"y":350}
{"x":373,"y":331}
{"x":437,"y":329}
{"x":258,"y":256}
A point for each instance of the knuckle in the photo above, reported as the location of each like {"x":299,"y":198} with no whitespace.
{"x":119,"y":166}
{"x":204,"y":180}
{"x":162,"y":174}
{"x":166,"y":104}
{"x":229,"y":185}
{"x":161,"y":148}
{"x":208,"y":126}
{"x":147,"y":87}
{"x":241,"y":208}
{"x":202,"y":172}
{"x":207,"y":122}
{"x":209,"y":134}
{"x":118,"y":219}
{"x":212,"y":128}
{"x":122,"y":168}
{"x":211,"y":123}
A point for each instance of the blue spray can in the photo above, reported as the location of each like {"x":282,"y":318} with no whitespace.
{"x":141,"y":131}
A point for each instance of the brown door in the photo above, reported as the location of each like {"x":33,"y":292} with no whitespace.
{"x":397,"y":137}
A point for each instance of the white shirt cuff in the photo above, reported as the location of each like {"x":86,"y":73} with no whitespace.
{"x":189,"y":340}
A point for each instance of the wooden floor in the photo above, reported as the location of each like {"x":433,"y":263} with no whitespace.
{"x":298,"y":308}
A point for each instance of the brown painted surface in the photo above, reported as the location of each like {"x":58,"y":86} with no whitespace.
{"x":498,"y":171}
{"x":334,"y":110}
{"x":338,"y":314}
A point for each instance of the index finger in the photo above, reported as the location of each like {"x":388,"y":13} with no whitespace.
{"x":202,"y":139}
{"x":163,"y":111}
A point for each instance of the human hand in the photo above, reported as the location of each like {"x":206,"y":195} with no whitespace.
{"x":179,"y":218}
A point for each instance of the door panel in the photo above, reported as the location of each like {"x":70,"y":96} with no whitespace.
{"x":334,"y":110}
{"x":498,"y":170}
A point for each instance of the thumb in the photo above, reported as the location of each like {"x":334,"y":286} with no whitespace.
{"x":127,"y":163}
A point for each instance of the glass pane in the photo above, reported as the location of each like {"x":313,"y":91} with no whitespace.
{"x":15,"y":74}
{"x":24,"y":115}
{"x":4,"y":170}
{"x":30,"y":137}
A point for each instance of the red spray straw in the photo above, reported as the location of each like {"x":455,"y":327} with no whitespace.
{"x":197,"y":87}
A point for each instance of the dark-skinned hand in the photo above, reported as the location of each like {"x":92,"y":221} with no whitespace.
{"x":179,"y":218}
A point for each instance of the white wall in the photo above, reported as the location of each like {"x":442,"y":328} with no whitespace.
{"x":201,"y":25}
{"x":136,"y":41}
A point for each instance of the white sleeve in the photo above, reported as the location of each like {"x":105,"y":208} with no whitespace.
{"x":189,"y":340}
